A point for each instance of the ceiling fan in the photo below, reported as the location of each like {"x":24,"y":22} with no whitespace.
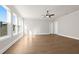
{"x":49,"y":14}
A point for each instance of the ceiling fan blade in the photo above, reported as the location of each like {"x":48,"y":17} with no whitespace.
{"x":51,"y":14}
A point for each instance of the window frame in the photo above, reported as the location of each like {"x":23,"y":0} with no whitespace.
{"x":7,"y":20}
{"x":16,"y":23}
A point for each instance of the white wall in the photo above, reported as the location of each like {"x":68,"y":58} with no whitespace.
{"x":68,"y":25}
{"x":37,"y":26}
{"x":51,"y":28}
{"x":54,"y":27}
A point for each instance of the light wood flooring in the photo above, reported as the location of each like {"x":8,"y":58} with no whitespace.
{"x":44,"y":44}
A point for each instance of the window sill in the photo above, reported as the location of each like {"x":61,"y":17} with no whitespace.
{"x":4,"y":37}
{"x":14,"y":34}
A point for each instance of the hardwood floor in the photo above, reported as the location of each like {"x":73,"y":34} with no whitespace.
{"x":45,"y":44}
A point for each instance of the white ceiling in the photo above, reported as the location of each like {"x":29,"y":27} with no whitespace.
{"x":37,"y":11}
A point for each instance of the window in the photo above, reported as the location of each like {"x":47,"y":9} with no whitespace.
{"x":8,"y":23}
{"x":14,"y":23}
{"x":3,"y":21}
{"x":20,"y":26}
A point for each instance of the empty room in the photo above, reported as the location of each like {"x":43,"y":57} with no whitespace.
{"x":39,"y":29}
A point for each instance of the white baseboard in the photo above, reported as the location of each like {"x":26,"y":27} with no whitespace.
{"x":69,"y":36}
{"x":8,"y":46}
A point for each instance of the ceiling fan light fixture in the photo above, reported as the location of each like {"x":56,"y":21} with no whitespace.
{"x":47,"y":16}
